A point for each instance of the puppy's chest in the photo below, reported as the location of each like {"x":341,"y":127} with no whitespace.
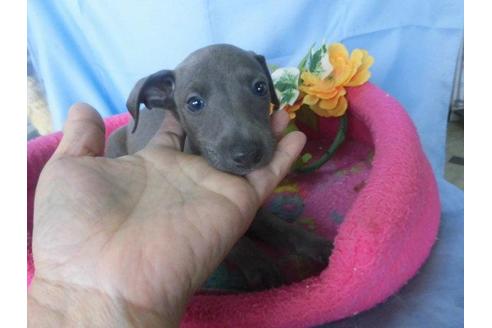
{"x":150,"y":122}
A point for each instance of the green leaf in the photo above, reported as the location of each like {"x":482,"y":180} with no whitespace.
{"x":282,"y":85}
{"x":287,"y":97}
{"x":305,"y":58}
{"x":301,"y":161}
{"x":290,"y":79}
{"x":291,"y":127}
{"x":286,"y":81}
{"x":316,"y":66}
{"x":306,"y":157}
{"x":284,"y":99}
{"x":315,"y":60}
{"x":297,"y":164}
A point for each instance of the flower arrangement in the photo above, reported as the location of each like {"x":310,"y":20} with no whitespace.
{"x":317,"y":88}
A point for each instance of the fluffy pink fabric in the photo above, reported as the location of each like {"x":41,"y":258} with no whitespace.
{"x":388,"y":230}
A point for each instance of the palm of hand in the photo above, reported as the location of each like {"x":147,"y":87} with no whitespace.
{"x":147,"y":228}
{"x":174,"y":198}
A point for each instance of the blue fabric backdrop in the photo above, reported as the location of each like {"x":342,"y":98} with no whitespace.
{"x":94,"y":51}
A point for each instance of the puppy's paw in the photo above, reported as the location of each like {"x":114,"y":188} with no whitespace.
{"x":316,"y":249}
{"x":313,"y":247}
{"x":261,"y":273}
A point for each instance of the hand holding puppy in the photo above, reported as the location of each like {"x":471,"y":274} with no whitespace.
{"x":129,"y":240}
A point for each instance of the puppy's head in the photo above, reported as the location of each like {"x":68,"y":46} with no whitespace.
{"x":222,"y":96}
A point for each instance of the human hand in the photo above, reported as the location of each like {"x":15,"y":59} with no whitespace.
{"x":129,"y":240}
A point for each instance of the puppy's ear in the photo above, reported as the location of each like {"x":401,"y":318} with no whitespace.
{"x":155,"y":90}
{"x":271,"y":88}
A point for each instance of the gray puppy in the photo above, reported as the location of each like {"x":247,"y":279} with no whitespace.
{"x":221,"y":95}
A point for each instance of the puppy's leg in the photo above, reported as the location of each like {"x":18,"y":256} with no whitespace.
{"x":259,"y":271}
{"x":116,"y":145}
{"x":284,"y":235}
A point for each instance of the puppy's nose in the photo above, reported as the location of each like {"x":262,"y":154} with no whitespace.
{"x":247,"y":156}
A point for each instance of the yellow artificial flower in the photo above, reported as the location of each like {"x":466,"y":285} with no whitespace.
{"x":362,"y":74}
{"x":323,"y":96}
{"x":349,"y":71}
{"x":326,"y":97}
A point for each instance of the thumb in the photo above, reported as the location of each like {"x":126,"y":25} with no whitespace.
{"x":83,"y":134}
{"x":170,"y":134}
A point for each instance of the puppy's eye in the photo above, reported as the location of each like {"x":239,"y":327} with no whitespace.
{"x":260,"y":88}
{"x":195,"y":104}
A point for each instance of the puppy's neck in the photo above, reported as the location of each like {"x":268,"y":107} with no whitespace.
{"x":189,"y":148}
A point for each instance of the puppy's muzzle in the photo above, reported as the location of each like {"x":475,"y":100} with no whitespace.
{"x":247,"y":155}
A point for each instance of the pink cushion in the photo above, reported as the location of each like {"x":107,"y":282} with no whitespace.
{"x":390,"y":221}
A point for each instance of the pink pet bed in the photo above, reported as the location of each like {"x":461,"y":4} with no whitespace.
{"x":377,"y":200}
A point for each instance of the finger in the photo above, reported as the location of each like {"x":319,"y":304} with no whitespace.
{"x":83,"y":134}
{"x":264,"y":180}
{"x":280,"y":120}
{"x":170,"y":134}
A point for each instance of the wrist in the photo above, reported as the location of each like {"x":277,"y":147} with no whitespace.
{"x":54,"y":304}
